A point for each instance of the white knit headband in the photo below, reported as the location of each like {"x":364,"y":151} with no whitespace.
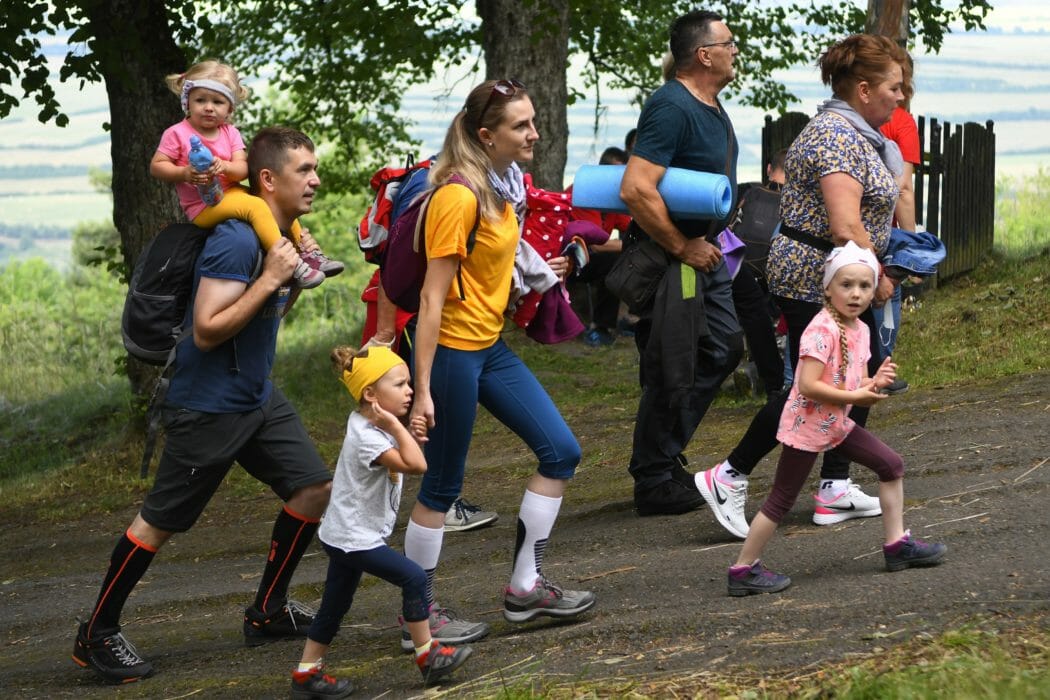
{"x":849,"y":254}
{"x":215,"y":85}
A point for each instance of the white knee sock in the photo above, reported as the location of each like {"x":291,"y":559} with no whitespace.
{"x":535,"y":521}
{"x":423,"y":546}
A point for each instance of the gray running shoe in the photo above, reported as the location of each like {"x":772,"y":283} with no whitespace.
{"x":446,"y":627}
{"x":545,"y":598}
{"x":756,"y":579}
{"x":912,"y":552}
{"x":464,"y":515}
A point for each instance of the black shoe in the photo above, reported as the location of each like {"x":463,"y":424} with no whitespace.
{"x":316,"y":685}
{"x":899,"y":386}
{"x":667,"y":498}
{"x":290,"y":620}
{"x":681,"y":475}
{"x":111,"y":656}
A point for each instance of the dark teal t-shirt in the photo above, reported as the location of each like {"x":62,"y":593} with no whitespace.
{"x":234,"y":377}
{"x":676,"y":130}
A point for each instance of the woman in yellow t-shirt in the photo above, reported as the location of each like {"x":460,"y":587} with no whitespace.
{"x":461,"y":361}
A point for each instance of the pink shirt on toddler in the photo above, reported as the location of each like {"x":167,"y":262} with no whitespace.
{"x":175,"y":144}
{"x":816,"y":427}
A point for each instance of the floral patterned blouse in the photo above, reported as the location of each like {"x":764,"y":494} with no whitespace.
{"x":828,"y":144}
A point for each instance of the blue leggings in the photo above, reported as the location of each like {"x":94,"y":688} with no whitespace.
{"x":344,"y":574}
{"x":497,"y":379}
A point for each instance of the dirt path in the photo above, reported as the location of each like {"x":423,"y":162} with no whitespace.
{"x":978,"y":479}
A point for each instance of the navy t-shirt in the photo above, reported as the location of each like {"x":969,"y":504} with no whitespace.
{"x":235,"y":376}
{"x":676,"y":130}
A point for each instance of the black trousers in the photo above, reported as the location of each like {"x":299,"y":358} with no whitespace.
{"x":752,"y":306}
{"x":662,"y":432}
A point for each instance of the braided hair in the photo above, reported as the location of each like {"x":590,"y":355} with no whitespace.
{"x":843,"y":340}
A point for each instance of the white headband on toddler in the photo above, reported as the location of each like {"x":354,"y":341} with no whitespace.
{"x":215,"y":85}
{"x":849,"y":254}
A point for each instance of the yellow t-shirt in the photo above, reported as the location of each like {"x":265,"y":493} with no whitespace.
{"x":475,"y":322}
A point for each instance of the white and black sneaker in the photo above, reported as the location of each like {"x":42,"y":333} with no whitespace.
{"x":111,"y":656}
{"x":851,"y":503}
{"x":726,"y":500}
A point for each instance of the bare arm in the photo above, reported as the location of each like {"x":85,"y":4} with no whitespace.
{"x":639,"y":192}
{"x":440,"y":272}
{"x":842,"y":194}
{"x":407,"y":457}
{"x":813,"y":387}
{"x":224,"y":307}
{"x":164,"y":168}
{"x":905,"y":211}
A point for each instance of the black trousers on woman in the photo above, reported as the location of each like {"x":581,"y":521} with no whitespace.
{"x":761,"y":435}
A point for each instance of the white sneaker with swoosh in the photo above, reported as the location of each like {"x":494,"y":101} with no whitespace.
{"x":851,"y":503}
{"x":726,"y":500}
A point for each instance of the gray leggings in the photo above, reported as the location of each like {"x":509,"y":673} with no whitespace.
{"x":794,"y":466}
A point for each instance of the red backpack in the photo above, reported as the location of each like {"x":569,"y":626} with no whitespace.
{"x":404,"y":260}
{"x":394,"y":188}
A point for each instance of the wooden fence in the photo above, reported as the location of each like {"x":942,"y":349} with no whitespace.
{"x":954,"y":184}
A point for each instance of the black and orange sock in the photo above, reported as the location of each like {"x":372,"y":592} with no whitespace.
{"x":292,"y":534}
{"x":129,"y":561}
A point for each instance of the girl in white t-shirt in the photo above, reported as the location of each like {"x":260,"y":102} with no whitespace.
{"x":209,"y":92}
{"x":830,"y":379}
{"x":366,"y":491}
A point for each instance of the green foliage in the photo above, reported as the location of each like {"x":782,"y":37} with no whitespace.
{"x":1022,"y":218}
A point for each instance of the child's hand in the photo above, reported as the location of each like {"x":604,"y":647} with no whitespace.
{"x":866,"y":395}
{"x":418,"y":427}
{"x":382,"y":418}
{"x":885,"y":374}
{"x":218,"y":167}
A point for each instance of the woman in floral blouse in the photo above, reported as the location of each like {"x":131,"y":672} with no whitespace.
{"x":841,"y":186}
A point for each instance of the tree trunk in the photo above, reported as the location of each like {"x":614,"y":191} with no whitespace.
{"x":139,"y":51}
{"x":889,"y":18}
{"x":529,"y":40}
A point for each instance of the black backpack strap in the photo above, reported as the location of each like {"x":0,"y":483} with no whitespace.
{"x":472,"y":238}
{"x":160,"y":389}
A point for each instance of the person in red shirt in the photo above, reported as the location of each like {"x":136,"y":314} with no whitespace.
{"x":603,"y":305}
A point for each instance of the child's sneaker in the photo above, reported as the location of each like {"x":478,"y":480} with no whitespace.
{"x":320,"y":262}
{"x":306,"y":277}
{"x":315,"y":684}
{"x":908,"y":551}
{"x":439,"y":661}
{"x":745,"y":580}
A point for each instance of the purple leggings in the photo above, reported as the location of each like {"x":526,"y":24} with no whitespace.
{"x":794,"y":466}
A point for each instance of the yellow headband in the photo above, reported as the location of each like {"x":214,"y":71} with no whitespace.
{"x":369,"y":369}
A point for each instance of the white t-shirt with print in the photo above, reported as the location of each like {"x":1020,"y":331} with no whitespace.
{"x":365,"y":496}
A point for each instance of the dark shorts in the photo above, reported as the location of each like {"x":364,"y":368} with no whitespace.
{"x":270,"y":443}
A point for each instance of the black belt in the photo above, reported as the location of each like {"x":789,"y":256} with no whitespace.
{"x":807,"y":238}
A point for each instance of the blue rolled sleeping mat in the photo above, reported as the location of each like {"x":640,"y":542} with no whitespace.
{"x":688,"y":194}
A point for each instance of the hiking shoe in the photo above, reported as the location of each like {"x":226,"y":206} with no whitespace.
{"x":440,"y":660}
{"x":898,"y":386}
{"x":545,"y":598}
{"x":446,"y":627}
{"x":321,"y":262}
{"x":111,"y":656}
{"x":908,"y":551}
{"x":851,"y":503}
{"x":625,"y":327}
{"x":670,"y":497}
{"x":464,"y":515}
{"x":305,"y":277}
{"x":747,"y":580}
{"x":596,"y":338}
{"x":726,"y":500}
{"x":290,"y":620}
{"x":315,"y":684}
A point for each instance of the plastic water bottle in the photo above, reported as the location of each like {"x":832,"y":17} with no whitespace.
{"x":200,"y":160}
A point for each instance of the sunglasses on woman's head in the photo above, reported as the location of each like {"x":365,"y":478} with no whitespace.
{"x":507,"y":88}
